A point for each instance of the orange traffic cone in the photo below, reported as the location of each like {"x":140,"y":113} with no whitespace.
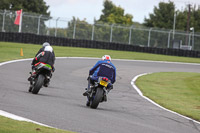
{"x":21,"y":52}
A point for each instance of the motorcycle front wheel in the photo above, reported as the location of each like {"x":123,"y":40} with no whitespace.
{"x":38,"y":84}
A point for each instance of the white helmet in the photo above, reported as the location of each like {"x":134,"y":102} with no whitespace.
{"x":48,"y":48}
{"x":106,"y":57}
{"x":45,"y":44}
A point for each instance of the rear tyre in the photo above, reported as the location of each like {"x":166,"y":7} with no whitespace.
{"x":38,"y":84}
{"x":97,"y":98}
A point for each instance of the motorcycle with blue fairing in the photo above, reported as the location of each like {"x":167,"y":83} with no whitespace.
{"x":41,"y":77}
{"x":99,"y":90}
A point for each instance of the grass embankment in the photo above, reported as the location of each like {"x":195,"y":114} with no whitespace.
{"x":176,"y":91}
{"x":12,"y":126}
{"x":11,"y":51}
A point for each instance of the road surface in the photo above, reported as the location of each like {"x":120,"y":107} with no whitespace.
{"x":62,"y":105}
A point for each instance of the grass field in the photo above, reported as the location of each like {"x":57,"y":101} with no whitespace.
{"x":11,"y":51}
{"x":12,"y":126}
{"x":176,"y":91}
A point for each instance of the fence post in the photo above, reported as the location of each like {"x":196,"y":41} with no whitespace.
{"x":4,"y":14}
{"x":168,"y":44}
{"x":20,"y":25}
{"x":92,"y":33}
{"x":189,"y":39}
{"x":174,"y":25}
{"x":38,"y":31}
{"x":56,"y":26}
{"x":111,"y":32}
{"x":192,"y":29}
{"x":149,"y":38}
{"x":129,"y":42}
{"x":193,"y":40}
{"x":48,"y":32}
{"x":74,"y":33}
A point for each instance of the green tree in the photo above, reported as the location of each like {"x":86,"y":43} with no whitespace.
{"x":32,"y":9}
{"x":83,"y":30}
{"x":34,"y":6}
{"x":162,"y":17}
{"x":114,"y":14}
{"x":182,"y":17}
{"x":181,"y":20}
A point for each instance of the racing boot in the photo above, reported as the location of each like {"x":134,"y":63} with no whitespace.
{"x":46,"y":84}
{"x":104,"y":98}
{"x":88,"y":91}
{"x":32,"y":75}
{"x":88,"y":103}
{"x":30,"y":78}
{"x":47,"y":81}
{"x":30,"y":88}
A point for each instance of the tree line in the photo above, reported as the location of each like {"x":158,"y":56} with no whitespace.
{"x":161,"y":17}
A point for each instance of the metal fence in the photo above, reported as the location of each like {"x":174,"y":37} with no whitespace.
{"x":76,"y":29}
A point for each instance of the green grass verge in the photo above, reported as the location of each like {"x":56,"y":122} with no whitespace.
{"x":176,"y":91}
{"x":12,"y":126}
{"x":11,"y":51}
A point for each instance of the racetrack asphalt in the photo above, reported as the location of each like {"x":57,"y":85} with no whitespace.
{"x":62,"y":105}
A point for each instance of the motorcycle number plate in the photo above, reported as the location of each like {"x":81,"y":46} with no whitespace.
{"x":103,"y":83}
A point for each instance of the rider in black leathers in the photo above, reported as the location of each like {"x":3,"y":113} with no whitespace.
{"x":47,"y":56}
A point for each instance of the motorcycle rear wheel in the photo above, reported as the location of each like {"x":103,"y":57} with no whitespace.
{"x":38,"y":84}
{"x":97,"y":98}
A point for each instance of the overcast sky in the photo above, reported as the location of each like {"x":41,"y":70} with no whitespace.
{"x":91,"y":9}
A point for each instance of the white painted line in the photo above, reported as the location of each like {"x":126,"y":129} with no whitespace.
{"x":168,"y":62}
{"x":92,"y":58}
{"x":148,"y":61}
{"x":15,"y":117}
{"x":12,"y":61}
{"x":141,"y":94}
